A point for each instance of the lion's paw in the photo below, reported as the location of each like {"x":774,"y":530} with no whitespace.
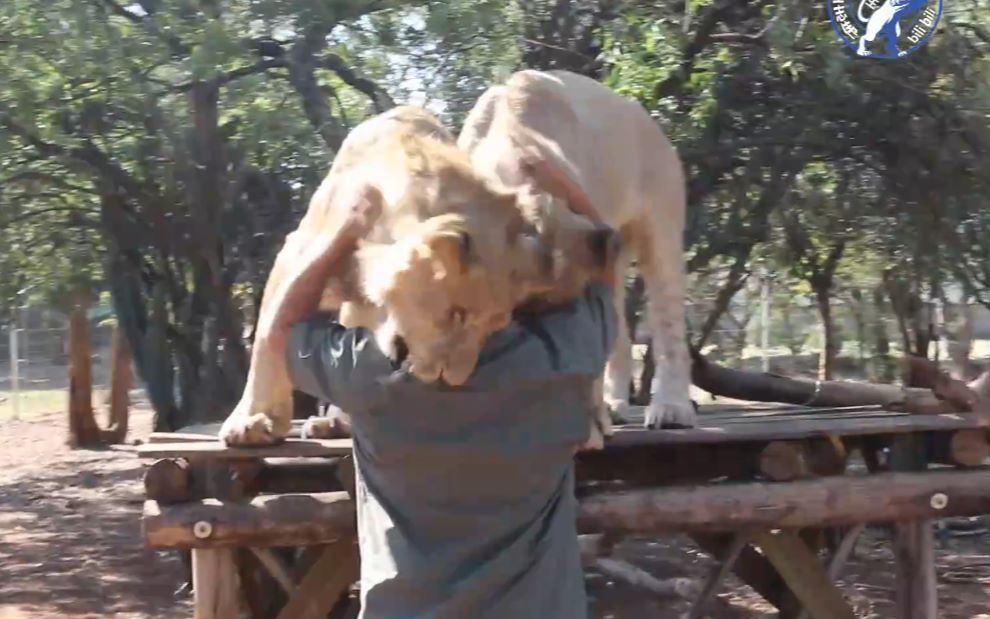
{"x":256,"y":429}
{"x":671,"y":415}
{"x":324,"y":427}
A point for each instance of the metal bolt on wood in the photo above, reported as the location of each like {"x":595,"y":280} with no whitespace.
{"x":939,"y":500}
{"x":202,"y":529}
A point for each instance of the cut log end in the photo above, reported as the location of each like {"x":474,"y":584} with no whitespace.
{"x":168,"y":481}
{"x":790,"y":460}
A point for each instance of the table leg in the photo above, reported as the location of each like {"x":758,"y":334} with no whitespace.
{"x":215,"y":584}
{"x":914,"y":543}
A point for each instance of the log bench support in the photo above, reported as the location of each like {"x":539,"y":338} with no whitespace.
{"x":763,"y":532}
{"x":215,"y":529}
{"x":771,"y":515}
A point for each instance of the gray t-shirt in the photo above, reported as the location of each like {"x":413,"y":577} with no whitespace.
{"x":465,"y":496}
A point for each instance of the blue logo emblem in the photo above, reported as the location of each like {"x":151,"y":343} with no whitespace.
{"x":884,"y":28}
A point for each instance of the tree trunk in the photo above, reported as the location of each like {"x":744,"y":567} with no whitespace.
{"x":960,"y":345}
{"x":121,"y":378}
{"x":734,"y":282}
{"x":826,"y":360}
{"x":83,"y":430}
{"x":883,"y":368}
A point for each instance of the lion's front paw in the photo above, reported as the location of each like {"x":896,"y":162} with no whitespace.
{"x":671,"y":415}
{"x":240,"y":430}
{"x":325,"y":427}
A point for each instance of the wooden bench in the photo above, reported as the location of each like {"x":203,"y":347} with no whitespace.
{"x":743,"y":480}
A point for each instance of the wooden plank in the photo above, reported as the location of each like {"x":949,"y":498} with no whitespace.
{"x":299,"y":448}
{"x":915,"y":595}
{"x":180,"y":437}
{"x":329,"y":578}
{"x":756,"y":571}
{"x":725,"y":564}
{"x":841,"y":555}
{"x":797,"y":429}
{"x":828,"y":501}
{"x":265,"y":521}
{"x":741,"y":427}
{"x":275,"y":567}
{"x":215,"y":584}
{"x":804,"y":575}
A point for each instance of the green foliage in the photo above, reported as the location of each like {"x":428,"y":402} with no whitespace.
{"x":791,"y":143}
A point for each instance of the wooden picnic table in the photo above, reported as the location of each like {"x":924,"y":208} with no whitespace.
{"x":743,"y":480}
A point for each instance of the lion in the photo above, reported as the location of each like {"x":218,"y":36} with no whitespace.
{"x":443,"y":267}
{"x":571,"y":144}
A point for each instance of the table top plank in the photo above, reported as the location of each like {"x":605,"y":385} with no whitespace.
{"x":214,"y":449}
{"x":724,"y":427}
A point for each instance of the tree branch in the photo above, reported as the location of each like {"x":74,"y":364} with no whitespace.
{"x":175,"y":45}
{"x":52,"y":209}
{"x":51,"y":179}
{"x":87,"y":154}
{"x":225,"y":78}
{"x":379,"y":98}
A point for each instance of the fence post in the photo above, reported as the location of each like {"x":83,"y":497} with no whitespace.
{"x":15,"y":394}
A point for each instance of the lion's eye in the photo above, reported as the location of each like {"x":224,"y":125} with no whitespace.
{"x":457,"y":315}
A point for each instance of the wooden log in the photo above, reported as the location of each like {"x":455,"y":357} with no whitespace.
{"x":829,"y":501}
{"x":327,"y":580}
{"x":767,"y":387}
{"x":718,"y":573}
{"x":840,"y":556}
{"x":755,"y":570}
{"x":215,"y":584}
{"x":914,"y":543}
{"x":275,"y":567}
{"x":804,"y":575}
{"x":924,"y":373}
{"x":798,"y":427}
{"x":967,"y":448}
{"x":168,"y":481}
{"x":276,"y":520}
{"x":790,"y":460}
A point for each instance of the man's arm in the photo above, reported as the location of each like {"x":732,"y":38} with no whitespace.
{"x":299,"y":296}
{"x":346,"y":367}
{"x":335,"y":364}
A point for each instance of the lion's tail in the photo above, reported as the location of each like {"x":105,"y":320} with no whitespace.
{"x":859,"y":11}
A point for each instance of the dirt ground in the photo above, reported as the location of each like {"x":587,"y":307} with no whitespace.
{"x":70,"y":546}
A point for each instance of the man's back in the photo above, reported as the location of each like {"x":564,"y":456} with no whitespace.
{"x":465,"y":496}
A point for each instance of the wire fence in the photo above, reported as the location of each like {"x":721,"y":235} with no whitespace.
{"x":34,"y":362}
{"x":756,"y":332}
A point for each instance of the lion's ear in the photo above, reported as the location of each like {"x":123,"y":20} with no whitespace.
{"x":445,"y":243}
{"x":450,"y":251}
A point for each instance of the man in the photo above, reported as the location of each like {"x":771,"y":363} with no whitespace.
{"x":465,"y":496}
